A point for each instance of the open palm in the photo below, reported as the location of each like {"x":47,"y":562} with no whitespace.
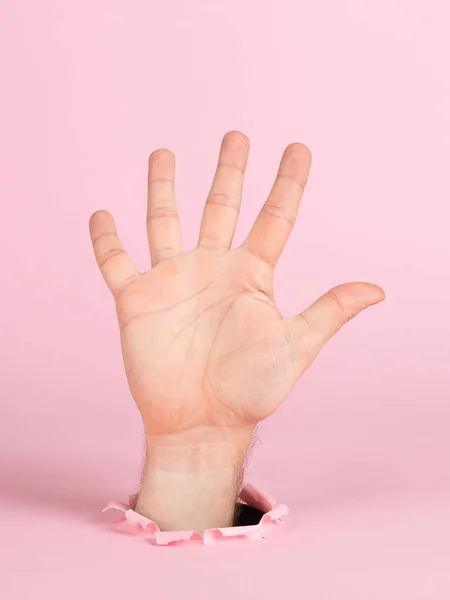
{"x":203,"y":342}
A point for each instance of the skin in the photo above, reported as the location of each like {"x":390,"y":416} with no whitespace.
{"x":206,"y":351}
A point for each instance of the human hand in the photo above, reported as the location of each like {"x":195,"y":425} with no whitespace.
{"x":206,"y":351}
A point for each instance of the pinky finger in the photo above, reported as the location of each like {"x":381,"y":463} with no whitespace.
{"x":116,"y":266}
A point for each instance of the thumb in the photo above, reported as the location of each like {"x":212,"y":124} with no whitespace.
{"x":318,"y":323}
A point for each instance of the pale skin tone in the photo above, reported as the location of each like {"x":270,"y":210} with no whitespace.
{"x":206,"y":351}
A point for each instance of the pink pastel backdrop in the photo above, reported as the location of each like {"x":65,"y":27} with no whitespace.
{"x":360,"y":451}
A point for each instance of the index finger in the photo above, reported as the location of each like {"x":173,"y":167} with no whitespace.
{"x":276,"y":219}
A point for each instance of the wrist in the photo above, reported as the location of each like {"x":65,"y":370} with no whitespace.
{"x":191,"y":479}
{"x":198,"y":450}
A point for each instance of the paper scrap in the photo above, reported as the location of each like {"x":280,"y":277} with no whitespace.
{"x":137,"y":524}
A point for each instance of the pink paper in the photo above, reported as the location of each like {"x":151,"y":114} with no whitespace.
{"x":137,"y":524}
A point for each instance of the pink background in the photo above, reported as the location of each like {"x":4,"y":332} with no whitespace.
{"x":360,"y":451}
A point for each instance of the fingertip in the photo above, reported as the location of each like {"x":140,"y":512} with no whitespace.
{"x":362,"y":292}
{"x":162,"y":157}
{"x":381,"y":293}
{"x":236,"y":138}
{"x":374,"y":293}
{"x":99,"y":214}
{"x":101,"y":220}
{"x":300,"y":150}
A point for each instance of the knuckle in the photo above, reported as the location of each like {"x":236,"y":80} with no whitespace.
{"x":334,"y":297}
{"x":161,"y":212}
{"x":279,"y":213}
{"x":223,"y":199}
{"x":108,"y":255}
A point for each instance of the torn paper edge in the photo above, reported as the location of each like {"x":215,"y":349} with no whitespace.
{"x":137,"y":524}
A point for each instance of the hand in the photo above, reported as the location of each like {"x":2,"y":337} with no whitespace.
{"x":206,"y":351}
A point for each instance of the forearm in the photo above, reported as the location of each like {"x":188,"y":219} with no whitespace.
{"x":191,"y":481}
